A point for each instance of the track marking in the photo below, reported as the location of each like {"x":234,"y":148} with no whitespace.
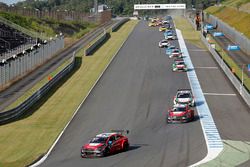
{"x":197,"y":50}
{"x":220,"y":94}
{"x":206,"y":67}
{"x":210,"y":132}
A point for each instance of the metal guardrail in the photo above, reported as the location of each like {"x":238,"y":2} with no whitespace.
{"x":120,"y":23}
{"x":13,"y":114}
{"x":24,"y":30}
{"x":235,"y":81}
{"x":19,"y":111}
{"x":97,"y":43}
{"x":105,"y":35}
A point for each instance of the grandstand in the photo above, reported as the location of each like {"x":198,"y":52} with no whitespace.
{"x":13,"y":41}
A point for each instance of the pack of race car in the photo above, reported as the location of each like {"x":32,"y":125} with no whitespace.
{"x":181,"y":110}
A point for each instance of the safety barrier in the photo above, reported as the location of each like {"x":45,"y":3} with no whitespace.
{"x":20,"y":110}
{"x":120,"y":23}
{"x":97,"y":43}
{"x":235,"y":81}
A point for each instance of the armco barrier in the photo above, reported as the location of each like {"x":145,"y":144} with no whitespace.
{"x":237,"y":84}
{"x":93,"y":46}
{"x":120,"y":23}
{"x":105,"y":35}
{"x":19,"y":111}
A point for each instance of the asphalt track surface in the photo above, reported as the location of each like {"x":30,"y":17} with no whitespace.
{"x":230,"y":113}
{"x":16,"y":90}
{"x":134,"y":93}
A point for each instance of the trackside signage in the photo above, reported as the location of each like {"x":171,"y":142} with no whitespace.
{"x":158,"y":6}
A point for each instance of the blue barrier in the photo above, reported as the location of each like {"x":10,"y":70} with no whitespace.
{"x":218,"y":34}
{"x":209,"y":27}
{"x":233,"y":47}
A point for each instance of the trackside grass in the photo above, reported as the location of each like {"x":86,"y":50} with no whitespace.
{"x":25,"y":140}
{"x":187,"y":31}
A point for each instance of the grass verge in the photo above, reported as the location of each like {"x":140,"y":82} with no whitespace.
{"x":25,"y":140}
{"x":37,"y":86}
{"x":188,"y":32}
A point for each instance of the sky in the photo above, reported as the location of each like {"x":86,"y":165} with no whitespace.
{"x":8,"y":2}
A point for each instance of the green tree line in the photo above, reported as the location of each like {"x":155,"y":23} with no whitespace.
{"x":119,"y":7}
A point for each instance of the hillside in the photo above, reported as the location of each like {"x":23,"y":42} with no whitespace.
{"x":236,"y":13}
{"x":48,"y":27}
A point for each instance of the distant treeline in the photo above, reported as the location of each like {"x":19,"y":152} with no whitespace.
{"x":119,"y":7}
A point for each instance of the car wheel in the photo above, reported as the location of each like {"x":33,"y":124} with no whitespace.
{"x":106,"y":152}
{"x":125,"y":146}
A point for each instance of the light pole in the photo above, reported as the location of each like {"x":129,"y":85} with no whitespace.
{"x":242,"y":78}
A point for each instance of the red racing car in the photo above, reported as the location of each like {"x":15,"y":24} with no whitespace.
{"x":105,"y":144}
{"x":180,"y":113}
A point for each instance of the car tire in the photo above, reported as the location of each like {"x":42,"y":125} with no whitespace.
{"x":125,"y":147}
{"x":106,"y":152}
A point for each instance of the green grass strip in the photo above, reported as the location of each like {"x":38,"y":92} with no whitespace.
{"x":37,"y":86}
{"x":188,"y":31}
{"x":23,"y":141}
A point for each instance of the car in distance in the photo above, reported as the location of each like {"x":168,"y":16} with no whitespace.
{"x":176,"y":53}
{"x":105,"y":144}
{"x":164,"y":43}
{"x":169,"y":35}
{"x":150,"y":24}
{"x":162,"y":28}
{"x":180,"y":113}
{"x":179,"y":65}
{"x":169,"y":49}
{"x":184,"y":96}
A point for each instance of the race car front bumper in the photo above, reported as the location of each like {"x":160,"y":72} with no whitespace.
{"x":182,"y":119}
{"x":91,"y":153}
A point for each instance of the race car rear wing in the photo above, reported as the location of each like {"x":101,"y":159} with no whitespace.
{"x":120,"y":131}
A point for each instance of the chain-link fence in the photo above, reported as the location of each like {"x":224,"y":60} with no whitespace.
{"x":233,"y":34}
{"x":24,"y":62}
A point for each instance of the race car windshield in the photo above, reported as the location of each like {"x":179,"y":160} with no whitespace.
{"x":180,"y":62}
{"x":183,"y":95}
{"x":99,"y":140}
{"x":180,"y":109}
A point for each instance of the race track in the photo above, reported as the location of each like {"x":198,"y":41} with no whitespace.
{"x":134,"y":94}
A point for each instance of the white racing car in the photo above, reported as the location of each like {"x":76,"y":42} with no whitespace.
{"x":184,"y":96}
{"x":164,"y":43}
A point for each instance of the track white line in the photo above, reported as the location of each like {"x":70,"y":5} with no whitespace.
{"x":210,"y":132}
{"x":220,"y":94}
